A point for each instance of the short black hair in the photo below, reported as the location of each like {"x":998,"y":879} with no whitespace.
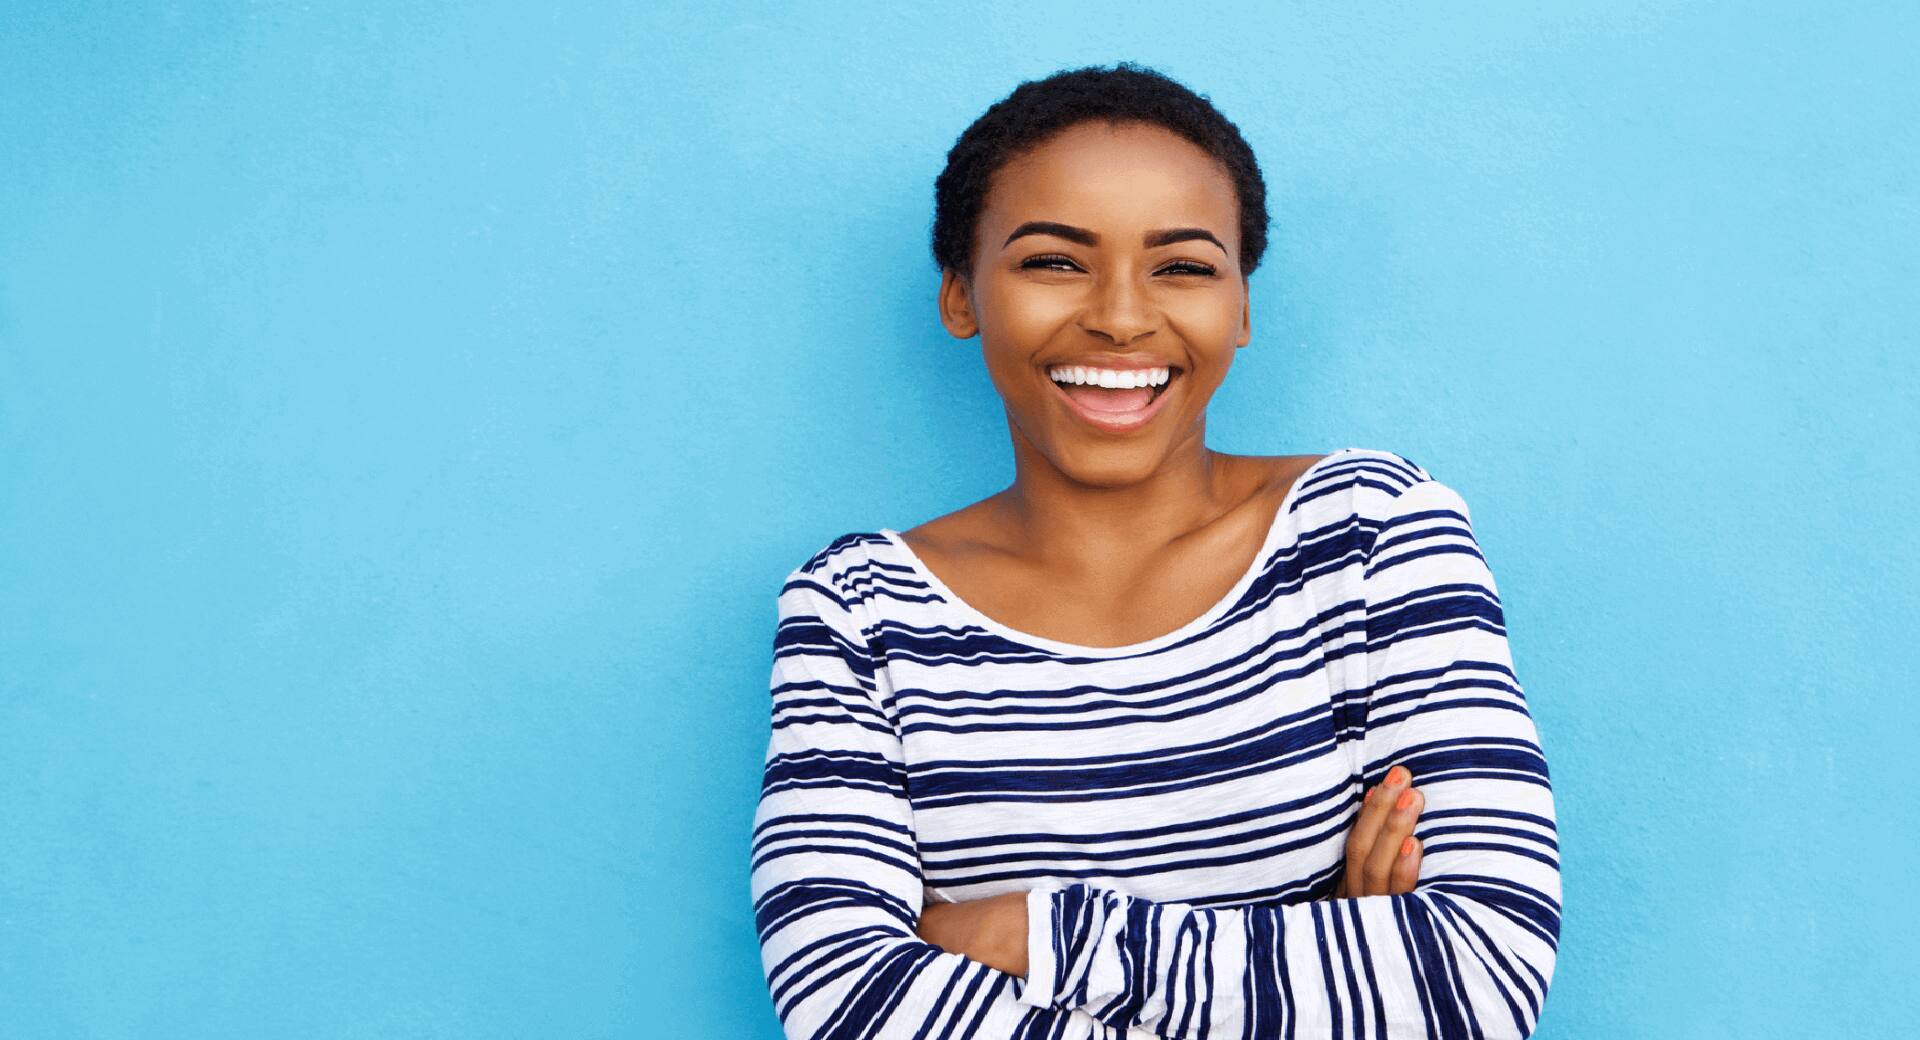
{"x":1038,"y":109}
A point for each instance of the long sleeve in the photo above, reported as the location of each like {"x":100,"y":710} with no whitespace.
{"x":835,"y":875}
{"x":1468,"y":953}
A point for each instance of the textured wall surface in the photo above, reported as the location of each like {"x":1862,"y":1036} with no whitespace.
{"x":407,"y":417}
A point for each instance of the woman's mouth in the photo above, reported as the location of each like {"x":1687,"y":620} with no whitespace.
{"x":1112,"y":400}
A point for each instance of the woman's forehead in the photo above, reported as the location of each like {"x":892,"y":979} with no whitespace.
{"x":1132,"y":175}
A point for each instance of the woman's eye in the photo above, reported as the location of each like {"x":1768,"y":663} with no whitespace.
{"x":1061,"y":263}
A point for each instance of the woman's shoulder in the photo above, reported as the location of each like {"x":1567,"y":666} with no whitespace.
{"x":839,"y":564}
{"x":835,"y":578}
{"x":1356,"y":480}
{"x":1377,"y":493}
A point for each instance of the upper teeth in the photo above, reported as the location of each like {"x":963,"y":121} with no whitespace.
{"x":1116,"y":378}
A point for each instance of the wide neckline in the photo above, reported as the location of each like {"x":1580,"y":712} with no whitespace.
{"x":1206,"y":618}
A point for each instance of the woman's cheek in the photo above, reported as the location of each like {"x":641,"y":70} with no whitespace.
{"x":1209,"y":320}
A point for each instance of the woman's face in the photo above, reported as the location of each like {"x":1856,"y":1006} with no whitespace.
{"x":1107,"y":247}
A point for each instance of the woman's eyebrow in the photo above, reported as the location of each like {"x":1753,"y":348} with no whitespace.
{"x":1081,"y":235}
{"x":1185,"y":234}
{"x":1048,"y":227}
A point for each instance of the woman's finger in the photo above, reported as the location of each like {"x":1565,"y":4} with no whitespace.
{"x":1406,"y":867}
{"x":1360,"y":842}
{"x":1366,"y":828}
{"x":1377,"y":875}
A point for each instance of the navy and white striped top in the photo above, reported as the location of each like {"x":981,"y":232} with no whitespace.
{"x":1177,"y":809}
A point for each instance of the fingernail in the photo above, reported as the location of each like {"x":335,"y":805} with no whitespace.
{"x":1406,"y":847}
{"x":1406,"y":799}
{"x":1398,"y":775}
{"x":1368,"y":800}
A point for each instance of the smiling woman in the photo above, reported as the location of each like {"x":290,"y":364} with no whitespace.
{"x":1156,"y":738}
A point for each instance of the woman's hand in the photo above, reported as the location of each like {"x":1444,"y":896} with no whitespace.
{"x":1383,"y":856}
{"x":992,"y":931}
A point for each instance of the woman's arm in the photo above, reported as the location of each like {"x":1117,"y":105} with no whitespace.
{"x":1383,"y":858}
{"x":991,"y":930}
{"x":837,"y":887}
{"x":1469,"y":952}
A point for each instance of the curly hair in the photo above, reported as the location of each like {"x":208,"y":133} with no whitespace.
{"x":1038,"y":109}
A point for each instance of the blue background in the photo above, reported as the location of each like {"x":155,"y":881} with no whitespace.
{"x":407,"y":416}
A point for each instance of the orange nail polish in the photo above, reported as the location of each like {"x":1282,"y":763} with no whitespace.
{"x":1406,"y":847}
{"x":1406,"y":799}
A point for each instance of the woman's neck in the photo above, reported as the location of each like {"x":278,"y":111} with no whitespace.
{"x":1107,"y":513}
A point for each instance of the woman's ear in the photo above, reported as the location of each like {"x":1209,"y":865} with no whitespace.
{"x":956,"y":305}
{"x":1246,"y":315}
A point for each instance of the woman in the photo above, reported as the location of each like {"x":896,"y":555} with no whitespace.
{"x":1141,"y":741}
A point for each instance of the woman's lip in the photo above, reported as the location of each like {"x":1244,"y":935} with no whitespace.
{"x":1111,"y":422}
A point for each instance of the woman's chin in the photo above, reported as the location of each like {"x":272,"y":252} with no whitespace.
{"x":1109,"y":465}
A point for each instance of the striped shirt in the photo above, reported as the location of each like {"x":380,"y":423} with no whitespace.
{"x":1176,"y":809}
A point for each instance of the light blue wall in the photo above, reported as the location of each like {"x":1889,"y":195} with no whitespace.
{"x":407,"y":417}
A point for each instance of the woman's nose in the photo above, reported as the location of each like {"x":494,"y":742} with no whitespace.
{"x":1119,"y":310}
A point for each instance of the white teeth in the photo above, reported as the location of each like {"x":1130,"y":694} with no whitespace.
{"x":1116,"y":378}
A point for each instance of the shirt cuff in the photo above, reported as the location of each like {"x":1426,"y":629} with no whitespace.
{"x":1037,"y":990}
